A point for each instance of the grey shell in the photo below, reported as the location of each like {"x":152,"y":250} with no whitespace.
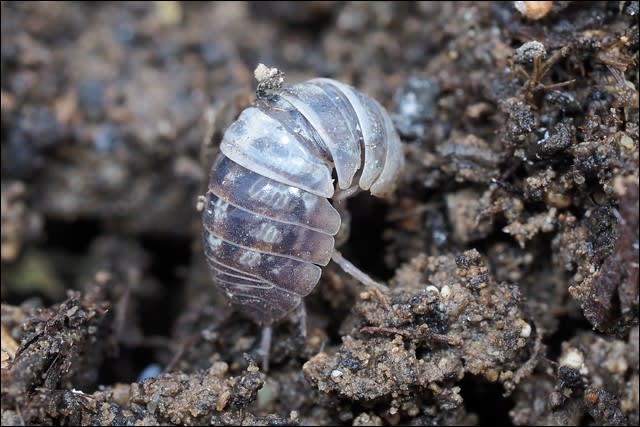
{"x":268,"y":225}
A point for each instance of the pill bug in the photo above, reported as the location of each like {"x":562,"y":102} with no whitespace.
{"x":268,"y":224}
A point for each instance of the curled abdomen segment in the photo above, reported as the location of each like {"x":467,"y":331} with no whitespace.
{"x":263,"y":239}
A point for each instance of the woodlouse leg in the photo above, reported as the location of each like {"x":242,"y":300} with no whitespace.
{"x":340,"y":195}
{"x":339,"y":201}
{"x":345,"y":223}
{"x":265,"y":346}
{"x":358,"y":274}
{"x":301,"y":319}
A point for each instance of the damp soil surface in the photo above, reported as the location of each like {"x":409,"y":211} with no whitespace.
{"x":510,"y":248}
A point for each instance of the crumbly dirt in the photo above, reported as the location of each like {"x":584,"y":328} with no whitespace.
{"x":510,"y":247}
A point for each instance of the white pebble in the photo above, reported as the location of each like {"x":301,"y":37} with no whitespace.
{"x":432,"y":288}
{"x":525,"y":331}
{"x":445,"y":292}
{"x":573,"y":359}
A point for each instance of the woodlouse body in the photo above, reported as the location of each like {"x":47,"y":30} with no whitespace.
{"x":268,"y":226}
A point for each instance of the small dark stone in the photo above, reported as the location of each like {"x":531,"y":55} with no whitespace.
{"x":414,"y":105}
{"x":569,"y":377}
{"x":561,"y":137}
{"x":91,"y":98}
{"x":212,"y":54}
{"x":107,"y":137}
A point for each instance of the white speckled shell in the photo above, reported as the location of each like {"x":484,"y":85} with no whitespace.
{"x":268,"y":225}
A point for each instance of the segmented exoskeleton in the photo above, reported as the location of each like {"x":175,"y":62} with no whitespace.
{"x":268,"y":226}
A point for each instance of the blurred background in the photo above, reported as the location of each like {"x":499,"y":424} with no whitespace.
{"x":111,"y":115}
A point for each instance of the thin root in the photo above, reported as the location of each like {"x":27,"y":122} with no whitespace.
{"x":411,"y":333}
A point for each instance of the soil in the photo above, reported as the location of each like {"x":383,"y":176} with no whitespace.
{"x":510,"y":247}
